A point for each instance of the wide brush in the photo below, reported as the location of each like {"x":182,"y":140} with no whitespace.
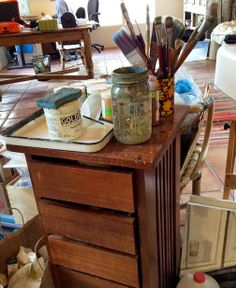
{"x":134,"y":37}
{"x":128,"y":47}
{"x":178,"y":31}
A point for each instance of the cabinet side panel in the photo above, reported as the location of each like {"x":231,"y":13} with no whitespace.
{"x":158,"y":219}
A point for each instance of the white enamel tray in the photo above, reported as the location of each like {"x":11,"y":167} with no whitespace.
{"x":33,"y":132}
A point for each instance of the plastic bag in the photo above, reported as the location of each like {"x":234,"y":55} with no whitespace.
{"x":29,"y":276}
{"x":186,"y":90}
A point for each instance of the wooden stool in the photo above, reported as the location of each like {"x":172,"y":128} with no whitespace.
{"x":230,"y":177}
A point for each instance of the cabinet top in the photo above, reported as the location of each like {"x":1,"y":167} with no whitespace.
{"x":116,"y":154}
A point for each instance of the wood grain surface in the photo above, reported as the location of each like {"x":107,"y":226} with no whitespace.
{"x":73,"y":279}
{"x":97,"y":262}
{"x":98,"y":227}
{"x":90,"y":186}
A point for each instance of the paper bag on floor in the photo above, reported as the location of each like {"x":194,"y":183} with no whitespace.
{"x":26,"y":237}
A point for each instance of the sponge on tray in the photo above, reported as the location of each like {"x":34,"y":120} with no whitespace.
{"x":62,"y":96}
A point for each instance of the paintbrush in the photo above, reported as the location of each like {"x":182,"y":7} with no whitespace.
{"x":193,"y":35}
{"x":92,"y":119}
{"x":133,"y":36}
{"x":160,"y":44}
{"x":128,"y":48}
{"x":169,"y":33}
{"x":175,"y":54}
{"x":127,"y":20}
{"x":140,"y":37}
{"x":190,"y":45}
{"x":147,"y":30}
{"x":178,"y":31}
{"x":153,"y":47}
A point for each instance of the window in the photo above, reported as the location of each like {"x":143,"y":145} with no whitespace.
{"x":111,"y":12}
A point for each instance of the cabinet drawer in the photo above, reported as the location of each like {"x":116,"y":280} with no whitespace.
{"x":72,"y":279}
{"x":90,"y":186}
{"x":93,"y":261}
{"x":101,"y":228}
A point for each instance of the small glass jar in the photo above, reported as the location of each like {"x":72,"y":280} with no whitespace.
{"x":131,"y":105}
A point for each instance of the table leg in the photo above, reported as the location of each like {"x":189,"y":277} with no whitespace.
{"x":231,"y":154}
{"x":88,"y":53}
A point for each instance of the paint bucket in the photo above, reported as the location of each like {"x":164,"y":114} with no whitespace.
{"x":197,"y":280}
{"x":65,"y":123}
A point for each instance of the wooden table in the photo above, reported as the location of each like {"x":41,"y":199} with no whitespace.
{"x":112,"y":217}
{"x":68,"y":34}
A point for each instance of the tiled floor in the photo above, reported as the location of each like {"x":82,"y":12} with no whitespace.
{"x":18,"y":101}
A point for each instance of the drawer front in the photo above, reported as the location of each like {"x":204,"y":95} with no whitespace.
{"x":73,"y":279}
{"x":93,"y":261}
{"x":101,"y":228}
{"x":90,"y":186}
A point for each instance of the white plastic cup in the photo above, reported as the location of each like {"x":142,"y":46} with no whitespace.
{"x":197,"y":280}
{"x":65,"y":123}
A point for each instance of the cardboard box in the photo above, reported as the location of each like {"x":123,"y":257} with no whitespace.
{"x":23,"y":199}
{"x":4,"y":200}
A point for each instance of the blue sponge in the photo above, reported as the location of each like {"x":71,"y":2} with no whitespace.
{"x":62,"y":96}
{"x":183,"y":86}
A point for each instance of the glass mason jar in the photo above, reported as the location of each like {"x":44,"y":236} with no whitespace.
{"x":131,"y":105}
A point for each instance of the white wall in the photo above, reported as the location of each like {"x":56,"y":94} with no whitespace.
{"x":163,"y":7}
{"x":39,"y":6}
{"x":174,"y":8}
{"x":103,"y":34}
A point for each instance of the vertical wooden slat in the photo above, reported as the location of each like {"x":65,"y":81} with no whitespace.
{"x":158,"y":240}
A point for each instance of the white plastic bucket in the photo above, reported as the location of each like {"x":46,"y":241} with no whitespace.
{"x":65,"y":123}
{"x":197,"y":280}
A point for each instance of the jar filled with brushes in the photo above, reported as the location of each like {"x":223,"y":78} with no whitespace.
{"x":131,"y":105}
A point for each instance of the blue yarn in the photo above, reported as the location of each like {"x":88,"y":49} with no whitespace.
{"x":183,"y":86}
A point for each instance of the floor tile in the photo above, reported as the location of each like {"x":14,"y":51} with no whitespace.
{"x":9,"y":122}
{"x":10,"y":99}
{"x":25,"y":104}
{"x":216,"y":156}
{"x":21,"y":113}
{"x":4,"y":114}
{"x":6,"y":107}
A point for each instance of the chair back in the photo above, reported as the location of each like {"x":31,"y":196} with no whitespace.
{"x":192,"y":166}
{"x":92,"y":10}
{"x":80,"y":13}
{"x":68,"y":21}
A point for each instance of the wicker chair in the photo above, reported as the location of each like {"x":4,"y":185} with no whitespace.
{"x":191,"y":169}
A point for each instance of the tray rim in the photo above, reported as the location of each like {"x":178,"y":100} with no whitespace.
{"x":10,"y":139}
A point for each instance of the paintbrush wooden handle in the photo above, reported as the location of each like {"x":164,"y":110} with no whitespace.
{"x":147,"y":31}
{"x":127,"y":19}
{"x":188,"y":48}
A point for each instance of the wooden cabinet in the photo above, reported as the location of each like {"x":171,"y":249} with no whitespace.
{"x":112,"y":218}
